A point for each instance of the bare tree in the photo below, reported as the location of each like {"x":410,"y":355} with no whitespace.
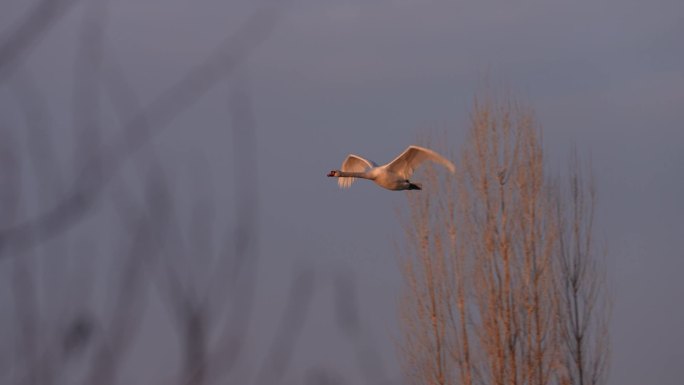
{"x":434,"y":297}
{"x":584,"y":306}
{"x":481,"y":302}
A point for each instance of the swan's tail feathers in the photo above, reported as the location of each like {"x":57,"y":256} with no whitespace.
{"x":415,"y":186}
{"x":345,"y":181}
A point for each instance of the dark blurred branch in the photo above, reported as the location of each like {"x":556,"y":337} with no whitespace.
{"x":39,"y":140}
{"x":233,"y":276}
{"x":241,"y":246}
{"x":346,"y":305}
{"x":190,"y":318}
{"x":36,"y":366}
{"x":10,"y":176}
{"x":323,"y":376}
{"x":27,"y":320}
{"x":245,"y":166}
{"x":289,"y":328}
{"x":87,"y":74}
{"x":16,"y":43}
{"x":87,"y":188}
{"x":25,"y":310}
{"x":147,"y":232}
{"x":349,"y":322}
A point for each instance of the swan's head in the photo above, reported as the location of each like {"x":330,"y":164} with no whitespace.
{"x":334,"y":173}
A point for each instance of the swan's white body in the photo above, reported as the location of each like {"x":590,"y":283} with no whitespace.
{"x":392,"y":176}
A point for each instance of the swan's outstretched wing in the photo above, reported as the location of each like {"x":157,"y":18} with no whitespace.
{"x":412,"y":157}
{"x":353,"y":163}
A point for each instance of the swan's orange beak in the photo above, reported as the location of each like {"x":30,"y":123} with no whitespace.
{"x":331,"y":173}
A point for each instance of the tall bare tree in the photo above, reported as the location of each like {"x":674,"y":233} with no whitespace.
{"x":584,"y":305}
{"x":485,"y":300}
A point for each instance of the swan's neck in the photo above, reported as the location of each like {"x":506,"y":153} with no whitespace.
{"x":347,"y":174}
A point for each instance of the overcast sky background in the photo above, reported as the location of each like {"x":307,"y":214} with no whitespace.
{"x":368,"y":77}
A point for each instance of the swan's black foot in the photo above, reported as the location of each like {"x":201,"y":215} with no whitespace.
{"x":415,"y":186}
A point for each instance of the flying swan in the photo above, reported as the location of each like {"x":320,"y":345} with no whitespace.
{"x":392,"y":176}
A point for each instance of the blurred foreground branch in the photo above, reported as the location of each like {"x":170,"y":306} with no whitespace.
{"x":99,"y":169}
{"x":15,"y":44}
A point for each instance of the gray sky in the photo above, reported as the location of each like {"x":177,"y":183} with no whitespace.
{"x":366,"y":77}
